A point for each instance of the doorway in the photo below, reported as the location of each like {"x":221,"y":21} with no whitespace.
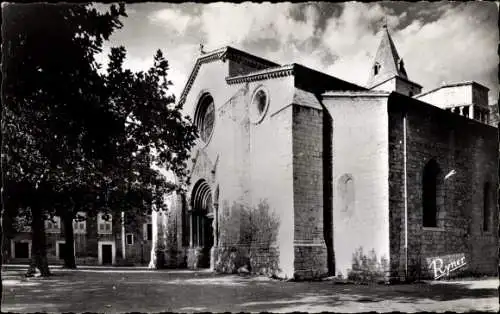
{"x":61,"y":249}
{"x":22,"y":250}
{"x":107,"y":254}
{"x":208,"y":241}
{"x":202,"y":219}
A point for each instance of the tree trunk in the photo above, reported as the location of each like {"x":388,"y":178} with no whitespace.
{"x":38,"y":244}
{"x":69,"y":247}
{"x":154,"y":221}
{"x":3,"y":252}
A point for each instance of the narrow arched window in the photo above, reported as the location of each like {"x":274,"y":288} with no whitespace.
{"x":465,"y":111}
{"x":205,"y":117}
{"x":430,"y":193}
{"x":376,"y":68}
{"x":486,"y":206}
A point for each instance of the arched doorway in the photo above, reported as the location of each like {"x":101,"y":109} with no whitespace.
{"x":202,"y":216}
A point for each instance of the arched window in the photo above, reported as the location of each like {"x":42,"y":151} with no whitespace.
{"x":204,"y":117}
{"x":376,"y":68}
{"x":431,"y":190}
{"x":486,"y":206}
{"x":401,"y":65}
{"x":346,"y":194}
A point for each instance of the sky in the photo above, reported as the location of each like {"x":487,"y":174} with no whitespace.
{"x":440,"y":42}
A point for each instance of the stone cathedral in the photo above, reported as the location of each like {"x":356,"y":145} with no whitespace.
{"x":299,"y":174}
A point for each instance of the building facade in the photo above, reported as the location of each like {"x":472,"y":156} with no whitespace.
{"x":97,"y":241}
{"x":300,"y":174}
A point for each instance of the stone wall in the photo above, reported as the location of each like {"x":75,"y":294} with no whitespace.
{"x":467,"y":152}
{"x":309,"y":244}
{"x":406,"y":88}
{"x":360,"y":178}
{"x":246,"y":162}
{"x":248,"y":238}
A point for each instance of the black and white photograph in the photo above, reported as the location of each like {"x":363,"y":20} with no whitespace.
{"x":250,"y":157}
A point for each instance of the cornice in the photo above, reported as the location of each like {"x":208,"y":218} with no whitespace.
{"x":368,"y":93}
{"x":265,"y":74}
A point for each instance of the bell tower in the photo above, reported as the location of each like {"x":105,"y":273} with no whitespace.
{"x":388,"y":71}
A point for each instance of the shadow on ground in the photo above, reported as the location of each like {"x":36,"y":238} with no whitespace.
{"x":116,"y":290}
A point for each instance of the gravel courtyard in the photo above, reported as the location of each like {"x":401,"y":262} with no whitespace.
{"x":114,"y":290}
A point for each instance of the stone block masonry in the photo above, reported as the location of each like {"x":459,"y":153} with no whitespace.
{"x":309,"y":245}
{"x":466,"y":152}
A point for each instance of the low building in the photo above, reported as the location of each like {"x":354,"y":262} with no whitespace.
{"x":97,"y":241}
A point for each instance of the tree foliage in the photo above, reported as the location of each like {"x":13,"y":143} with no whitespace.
{"x":76,"y":139}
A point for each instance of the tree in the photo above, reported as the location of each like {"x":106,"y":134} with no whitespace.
{"x":153,"y":135}
{"x":76,"y":139}
{"x":49,"y":96}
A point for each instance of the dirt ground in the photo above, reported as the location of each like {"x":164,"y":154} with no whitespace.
{"x":111,"y":290}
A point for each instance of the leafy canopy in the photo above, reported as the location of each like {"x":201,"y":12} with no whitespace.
{"x":77,"y":139}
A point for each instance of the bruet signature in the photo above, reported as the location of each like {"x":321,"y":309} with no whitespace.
{"x":440,"y":269}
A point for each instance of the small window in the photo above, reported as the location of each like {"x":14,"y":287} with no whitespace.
{"x":130,"y":239}
{"x":53,"y":225}
{"x":401,"y":65}
{"x":259,"y":105}
{"x":148,"y":232}
{"x":465,"y":111}
{"x":476,"y":114}
{"x":105,"y":226}
{"x":376,"y":68}
{"x":79,"y":225}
